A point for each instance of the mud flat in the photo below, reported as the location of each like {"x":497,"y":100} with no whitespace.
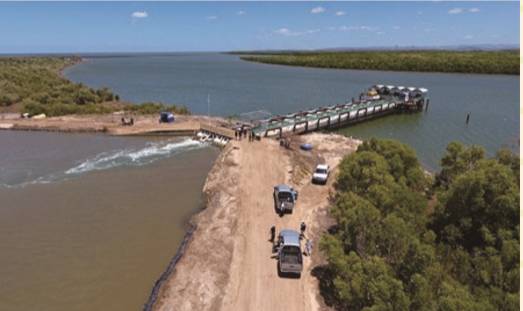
{"x":228,"y":263}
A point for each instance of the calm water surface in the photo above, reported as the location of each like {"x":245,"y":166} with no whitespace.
{"x":236,"y":87}
{"x":89,"y":222}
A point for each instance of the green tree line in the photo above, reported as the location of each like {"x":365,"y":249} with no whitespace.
{"x":395,"y":251}
{"x":37,"y":84}
{"x":474,"y":62}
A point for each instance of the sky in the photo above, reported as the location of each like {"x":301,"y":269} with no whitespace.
{"x":198,"y":26}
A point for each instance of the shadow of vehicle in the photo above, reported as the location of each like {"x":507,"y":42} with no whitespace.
{"x":315,"y":182}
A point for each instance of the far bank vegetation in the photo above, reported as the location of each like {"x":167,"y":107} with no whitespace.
{"x":36,"y":84}
{"x":407,"y":242}
{"x":473,"y":62}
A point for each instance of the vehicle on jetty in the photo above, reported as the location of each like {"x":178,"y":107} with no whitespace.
{"x":284,"y":198}
{"x":290,"y":258}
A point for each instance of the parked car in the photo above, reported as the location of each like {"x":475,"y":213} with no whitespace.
{"x":166,"y":117}
{"x":284,"y":198}
{"x":321,"y":174}
{"x":290,"y":258}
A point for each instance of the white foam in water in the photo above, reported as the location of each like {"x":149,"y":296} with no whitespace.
{"x":149,"y":154}
{"x":100,"y":162}
{"x":158,"y":149}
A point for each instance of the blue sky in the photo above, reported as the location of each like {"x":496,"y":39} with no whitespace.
{"x":75,"y":27}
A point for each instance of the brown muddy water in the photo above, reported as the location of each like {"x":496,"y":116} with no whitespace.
{"x":89,"y":222}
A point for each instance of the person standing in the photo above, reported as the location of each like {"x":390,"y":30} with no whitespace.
{"x":273,"y":233}
{"x":236,"y":135}
{"x":308,"y":245}
{"x":303,"y":228}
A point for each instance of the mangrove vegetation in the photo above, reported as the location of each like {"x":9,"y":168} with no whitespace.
{"x":473,"y":62}
{"x":36,"y":84}
{"x":404,"y":241}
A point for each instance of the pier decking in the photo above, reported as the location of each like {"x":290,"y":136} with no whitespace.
{"x":379,"y":100}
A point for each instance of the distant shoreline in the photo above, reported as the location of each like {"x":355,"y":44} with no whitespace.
{"x":505,"y":62}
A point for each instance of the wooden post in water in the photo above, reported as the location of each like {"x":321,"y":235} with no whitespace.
{"x":427,"y":106}
{"x":468,"y":116}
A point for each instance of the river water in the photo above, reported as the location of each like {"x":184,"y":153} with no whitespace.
{"x":89,"y":222}
{"x":235,"y":87}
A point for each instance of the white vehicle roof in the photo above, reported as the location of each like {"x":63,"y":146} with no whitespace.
{"x":322,"y":166}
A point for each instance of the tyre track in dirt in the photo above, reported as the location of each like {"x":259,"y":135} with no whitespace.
{"x":229,"y":264}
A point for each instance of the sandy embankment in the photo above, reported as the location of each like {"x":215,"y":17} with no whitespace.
{"x":228,"y":264}
{"x":110,"y":124}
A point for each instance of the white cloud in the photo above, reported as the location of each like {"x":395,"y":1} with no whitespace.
{"x":396,"y":27}
{"x":339,"y":13}
{"x":380,"y":33}
{"x":345,"y":28}
{"x":240,"y":13}
{"x":287,"y":32}
{"x":429,"y":29}
{"x":362,"y":28}
{"x":318,"y":10}
{"x":468,"y":37}
{"x":474,"y":10}
{"x":139,"y":14}
{"x":456,"y":11}
{"x":212,"y":17}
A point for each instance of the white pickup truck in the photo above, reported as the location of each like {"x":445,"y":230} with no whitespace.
{"x":321,"y":174}
{"x":290,"y":259}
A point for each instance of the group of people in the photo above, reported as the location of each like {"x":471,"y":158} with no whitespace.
{"x":303,"y":229}
{"x":243,"y":132}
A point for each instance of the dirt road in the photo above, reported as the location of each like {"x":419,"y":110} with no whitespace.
{"x":229,"y":264}
{"x":109,"y":124}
